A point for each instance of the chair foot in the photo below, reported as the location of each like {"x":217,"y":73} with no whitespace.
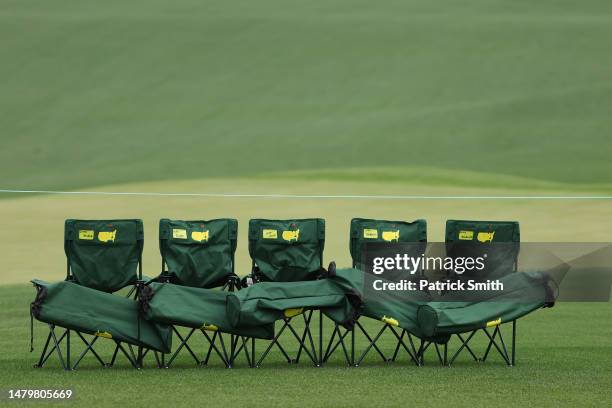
{"x":107,"y":365}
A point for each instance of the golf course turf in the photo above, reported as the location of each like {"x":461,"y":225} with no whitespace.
{"x":486,"y":98}
{"x":555,"y":367}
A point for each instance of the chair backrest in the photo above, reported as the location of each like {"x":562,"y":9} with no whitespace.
{"x":364,"y":231}
{"x":198,"y":253}
{"x":104,"y":254}
{"x":287,"y":250}
{"x":462,"y":236}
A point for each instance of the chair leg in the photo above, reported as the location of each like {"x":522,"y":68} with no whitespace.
{"x":272,"y":343}
{"x":467,"y":347}
{"x":44,"y":352}
{"x":352,"y":362}
{"x":372,"y":345}
{"x":58,"y":348}
{"x":331,"y":347}
{"x":88,"y":348}
{"x":131,"y":358}
{"x":503,"y":352}
{"x":307,"y":333}
{"x":212,"y":346}
{"x":310,"y":353}
{"x":400,"y":342}
{"x":242,"y":348}
{"x":320,"y":338}
{"x":372,"y":342}
{"x":181,"y":345}
{"x":464,"y":345}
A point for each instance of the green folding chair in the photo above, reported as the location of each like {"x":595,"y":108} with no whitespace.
{"x":200,"y":254}
{"x":103,"y":256}
{"x":288,"y":251}
{"x":363,"y":232}
{"x":463,"y":237}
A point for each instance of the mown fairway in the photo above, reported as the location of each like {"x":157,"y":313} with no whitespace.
{"x":133,"y":90}
{"x":335,"y":97}
{"x":563,"y":355}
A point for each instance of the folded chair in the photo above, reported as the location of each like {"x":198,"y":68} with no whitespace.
{"x":523,"y":293}
{"x":389,"y":311}
{"x":288,"y":251}
{"x":467,"y":238}
{"x":103,"y":256}
{"x":196,"y":257}
{"x":267,"y":302}
{"x":204,"y":311}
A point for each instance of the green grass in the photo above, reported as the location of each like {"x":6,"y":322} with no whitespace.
{"x":35,"y":223}
{"x":563,"y":356}
{"x":479,"y":97}
{"x":134,"y":91}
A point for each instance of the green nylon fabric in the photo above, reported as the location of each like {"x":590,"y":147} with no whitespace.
{"x":523,"y":293}
{"x":505,"y":231}
{"x":86,"y":310}
{"x":266,"y":302}
{"x":199,"y":253}
{"x":194,"y":307}
{"x":500,"y":238}
{"x":287,"y":250}
{"x":364,"y":231}
{"x":104,"y":254}
{"x":401,"y":307}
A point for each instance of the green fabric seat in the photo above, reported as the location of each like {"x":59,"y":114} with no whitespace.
{"x":103,"y":254}
{"x":390,"y":309}
{"x":198,"y":253}
{"x":90,"y":311}
{"x":364,"y":231}
{"x":523,"y":293}
{"x":501,"y":239}
{"x":395,"y":309}
{"x":267,"y":302}
{"x":286,"y":250}
{"x":196,"y":308}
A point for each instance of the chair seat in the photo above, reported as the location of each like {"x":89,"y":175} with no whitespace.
{"x":90,"y":311}
{"x":196,"y":308}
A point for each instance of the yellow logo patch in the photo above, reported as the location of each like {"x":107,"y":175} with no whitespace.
{"x":269,"y":234}
{"x":86,"y":234}
{"x":389,"y":320}
{"x":390,"y":235}
{"x":293,"y":312}
{"x":291,"y":235}
{"x":370,"y":233}
{"x":179,"y":233}
{"x":210,"y":327}
{"x":107,"y":236}
{"x":485,"y":236}
{"x":494,"y":323}
{"x":466,"y":235}
{"x":104,"y":334}
{"x":199,"y":236}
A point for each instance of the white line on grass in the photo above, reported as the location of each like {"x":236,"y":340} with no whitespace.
{"x":306,"y":196}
